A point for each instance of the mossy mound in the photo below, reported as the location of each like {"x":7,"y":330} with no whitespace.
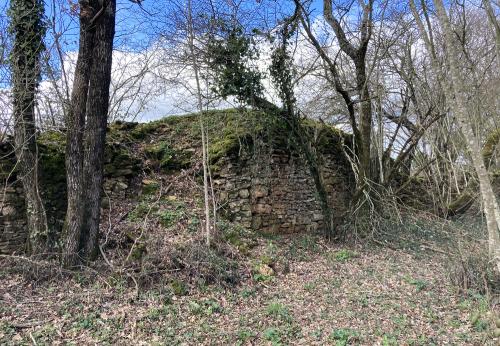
{"x":174,"y":143}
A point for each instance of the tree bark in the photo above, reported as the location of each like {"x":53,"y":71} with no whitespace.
{"x":27,"y":28}
{"x":365,"y":120}
{"x":494,"y":22}
{"x":358,"y":57}
{"x":204,"y":144}
{"x":74,"y":142}
{"x":95,"y":131}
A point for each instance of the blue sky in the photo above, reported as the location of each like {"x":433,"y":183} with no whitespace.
{"x":136,"y":24}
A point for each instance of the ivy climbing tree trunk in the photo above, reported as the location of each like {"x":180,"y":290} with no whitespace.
{"x":28,"y":29}
{"x":282,"y":76}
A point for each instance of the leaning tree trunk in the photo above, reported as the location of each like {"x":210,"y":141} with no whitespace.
{"x":305,"y":143}
{"x":365,"y":120}
{"x":496,"y":25}
{"x":74,"y":142}
{"x":459,"y":107}
{"x":97,"y":111}
{"x":27,"y":29}
{"x":204,"y":144}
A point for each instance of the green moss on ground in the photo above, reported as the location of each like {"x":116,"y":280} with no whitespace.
{"x":170,"y":143}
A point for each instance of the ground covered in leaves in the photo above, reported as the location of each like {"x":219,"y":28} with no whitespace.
{"x":314,"y":293}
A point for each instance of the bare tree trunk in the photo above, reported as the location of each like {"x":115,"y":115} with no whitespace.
{"x":89,"y":104}
{"x":27,"y":28}
{"x":74,"y":142}
{"x":494,"y":22}
{"x":202,"y":126}
{"x":358,"y":57}
{"x":365,"y":120}
{"x":95,"y":132}
{"x":459,"y":108}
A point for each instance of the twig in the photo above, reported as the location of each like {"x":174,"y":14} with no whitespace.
{"x":33,"y":339}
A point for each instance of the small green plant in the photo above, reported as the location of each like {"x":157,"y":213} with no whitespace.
{"x":389,"y":340}
{"x":45,"y":334}
{"x":310,"y":286}
{"x":317,"y":333}
{"x":242,"y":238}
{"x":168,"y":217}
{"x":262,"y":268}
{"x":478,"y":322}
{"x":207,"y":307}
{"x":343,"y":336}
{"x":179,"y":288}
{"x":273,"y":335}
{"x":244,"y":335}
{"x":419,"y":284}
{"x":194,"y":224}
{"x":87,"y":321}
{"x":141,"y":210}
{"x":161,"y":151}
{"x":195,"y":308}
{"x":211,"y":307}
{"x":150,"y":188}
{"x":258,"y":277}
{"x":248,"y":292}
{"x":464,"y":304}
{"x":156,"y":313}
{"x":279,"y":311}
{"x":345,"y":255}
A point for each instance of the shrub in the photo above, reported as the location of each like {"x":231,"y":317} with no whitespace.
{"x":470,"y":271}
{"x":206,"y":265}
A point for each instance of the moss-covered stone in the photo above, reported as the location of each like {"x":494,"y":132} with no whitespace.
{"x":167,"y":157}
{"x":51,"y":146}
{"x":150,"y":187}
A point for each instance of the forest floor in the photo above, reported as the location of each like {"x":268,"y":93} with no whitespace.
{"x":323,"y":294}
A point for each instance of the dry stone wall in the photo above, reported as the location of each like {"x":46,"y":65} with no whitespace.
{"x":121,"y":171}
{"x":271,"y":189}
{"x":12,"y":208}
{"x":264,"y":185}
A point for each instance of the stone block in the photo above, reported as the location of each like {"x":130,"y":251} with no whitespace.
{"x":317,"y":216}
{"x":244,"y":193}
{"x":246,"y":213}
{"x":262,"y":208}
{"x":8,"y":210}
{"x":120,"y":186}
{"x":256,"y":222}
{"x":223,"y":196}
{"x":259,"y":191}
